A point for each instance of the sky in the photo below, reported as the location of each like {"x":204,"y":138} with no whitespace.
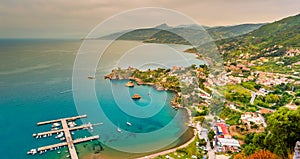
{"x":76,"y":18}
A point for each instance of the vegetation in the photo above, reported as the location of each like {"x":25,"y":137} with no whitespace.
{"x":211,"y":135}
{"x":179,"y":35}
{"x":267,"y":40}
{"x":280,"y":136}
{"x":236,"y":93}
{"x":259,"y":154}
{"x":193,"y":149}
{"x":231,"y":117}
{"x":159,"y":76}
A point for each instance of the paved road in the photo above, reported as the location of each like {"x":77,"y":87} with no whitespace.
{"x":203,"y":134}
{"x":253,"y":95}
{"x":263,"y":120}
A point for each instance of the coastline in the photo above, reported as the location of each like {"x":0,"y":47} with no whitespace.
{"x":191,"y":136}
{"x":139,"y":81}
{"x":177,"y":147}
{"x":183,"y":141}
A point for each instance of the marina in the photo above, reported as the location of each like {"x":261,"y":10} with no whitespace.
{"x":64,"y":134}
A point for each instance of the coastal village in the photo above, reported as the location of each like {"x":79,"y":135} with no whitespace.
{"x":246,"y":111}
{"x":248,"y":96}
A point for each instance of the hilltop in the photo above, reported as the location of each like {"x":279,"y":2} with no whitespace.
{"x":272,"y":47}
{"x":167,"y":34}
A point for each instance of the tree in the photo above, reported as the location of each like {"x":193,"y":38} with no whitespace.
{"x":259,"y":154}
{"x":211,"y":134}
{"x":263,"y":154}
{"x":249,"y":149}
{"x":284,"y":127}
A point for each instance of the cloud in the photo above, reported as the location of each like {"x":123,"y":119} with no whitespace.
{"x":69,"y":18}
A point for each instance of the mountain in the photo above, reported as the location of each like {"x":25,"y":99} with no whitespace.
{"x":271,"y":40}
{"x":223,"y":32}
{"x":167,"y":34}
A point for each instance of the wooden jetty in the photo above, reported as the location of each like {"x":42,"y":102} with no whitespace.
{"x":67,"y":135}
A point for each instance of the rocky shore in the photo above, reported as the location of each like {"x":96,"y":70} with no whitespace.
{"x":127,"y":74}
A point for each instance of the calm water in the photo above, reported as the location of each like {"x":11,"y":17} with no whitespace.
{"x":36,"y":85}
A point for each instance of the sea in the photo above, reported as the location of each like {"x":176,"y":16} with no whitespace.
{"x":37,"y":84}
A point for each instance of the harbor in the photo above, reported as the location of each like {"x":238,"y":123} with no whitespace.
{"x":64,"y":134}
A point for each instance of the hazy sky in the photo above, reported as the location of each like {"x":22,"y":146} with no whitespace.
{"x":75,"y":18}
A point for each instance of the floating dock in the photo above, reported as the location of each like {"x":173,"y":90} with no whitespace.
{"x":66,"y":130}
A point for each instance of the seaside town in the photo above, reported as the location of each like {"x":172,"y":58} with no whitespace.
{"x":150,"y":79}
{"x":248,"y":101}
{"x":247,"y":111}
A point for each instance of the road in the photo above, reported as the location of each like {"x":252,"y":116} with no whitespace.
{"x":262,"y":119}
{"x":203,"y":134}
{"x":253,"y":95}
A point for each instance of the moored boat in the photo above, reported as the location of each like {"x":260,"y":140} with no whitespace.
{"x":136,"y":96}
{"x":129,"y":84}
{"x":32,"y":152}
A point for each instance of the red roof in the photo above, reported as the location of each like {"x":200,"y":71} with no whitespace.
{"x":224,"y":128}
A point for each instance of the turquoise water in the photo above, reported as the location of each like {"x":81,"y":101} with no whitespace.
{"x":36,"y":85}
{"x":32,"y":75}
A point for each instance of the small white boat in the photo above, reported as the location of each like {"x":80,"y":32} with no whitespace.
{"x":45,"y":135}
{"x":32,"y":152}
{"x":62,"y":138}
{"x":58,"y":151}
{"x":59,"y":135}
{"x":72,"y":133}
{"x":55,"y":125}
{"x":72,"y":124}
{"x":54,"y":129}
{"x":119,"y":130}
{"x":128,"y":123}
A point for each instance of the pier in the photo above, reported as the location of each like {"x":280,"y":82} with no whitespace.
{"x":84,"y":126}
{"x":58,"y":120}
{"x":67,"y":135}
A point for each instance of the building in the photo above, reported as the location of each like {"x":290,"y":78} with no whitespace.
{"x":251,"y":117}
{"x":297,"y":151}
{"x":222,"y":130}
{"x":225,"y":145}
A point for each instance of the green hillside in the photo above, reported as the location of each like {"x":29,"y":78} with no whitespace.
{"x":270,"y":40}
